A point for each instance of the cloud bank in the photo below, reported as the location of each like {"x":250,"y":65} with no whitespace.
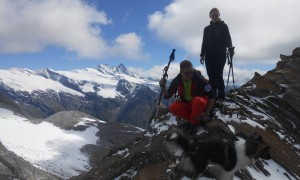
{"x":241,"y":75}
{"x":31,"y":26}
{"x":260,"y":30}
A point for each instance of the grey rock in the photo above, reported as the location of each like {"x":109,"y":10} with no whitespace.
{"x":296,"y":53}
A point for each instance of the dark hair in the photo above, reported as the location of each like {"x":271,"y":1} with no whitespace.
{"x":214,"y":9}
{"x":185,"y":63}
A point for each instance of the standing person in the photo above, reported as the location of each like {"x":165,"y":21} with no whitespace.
{"x":196,"y":97}
{"x":216,"y":38}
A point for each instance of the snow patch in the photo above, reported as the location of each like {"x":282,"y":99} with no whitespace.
{"x":123,"y":153}
{"x":45,"y":145}
{"x":130,"y":174}
{"x":227,"y":118}
{"x":108,"y":92}
{"x":162,"y":126}
{"x":276,"y":172}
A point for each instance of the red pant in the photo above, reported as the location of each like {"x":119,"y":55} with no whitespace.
{"x":189,"y":110}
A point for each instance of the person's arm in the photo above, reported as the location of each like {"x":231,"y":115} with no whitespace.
{"x":162,"y":84}
{"x":168,"y":92}
{"x":164,"y":90}
{"x":209,"y":106}
{"x":228,"y":37}
{"x":202,"y":59}
{"x":203,"y":47}
{"x":205,"y":114}
{"x":209,"y":92}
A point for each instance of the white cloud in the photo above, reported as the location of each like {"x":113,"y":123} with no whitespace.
{"x":156,"y":72}
{"x":31,"y":26}
{"x":260,"y":30}
{"x":241,"y":75}
{"x":128,"y":46}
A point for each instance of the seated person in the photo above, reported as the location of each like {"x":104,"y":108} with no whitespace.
{"x":196,"y":96}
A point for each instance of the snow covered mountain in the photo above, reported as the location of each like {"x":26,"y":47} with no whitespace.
{"x":102,"y":92}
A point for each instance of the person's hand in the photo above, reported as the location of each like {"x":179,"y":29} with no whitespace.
{"x":228,"y":61}
{"x":231,"y":51}
{"x":202,"y":59}
{"x":162,"y":82}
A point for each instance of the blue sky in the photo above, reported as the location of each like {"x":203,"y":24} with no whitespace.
{"x":74,"y":34}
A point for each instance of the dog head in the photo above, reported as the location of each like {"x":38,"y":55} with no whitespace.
{"x":193,"y":160}
{"x":255,"y":147}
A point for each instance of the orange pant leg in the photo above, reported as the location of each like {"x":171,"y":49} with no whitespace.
{"x":181,"y":109}
{"x":198,"y":107}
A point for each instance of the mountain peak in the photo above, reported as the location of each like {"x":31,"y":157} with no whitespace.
{"x":112,"y":70}
{"x":122,"y":69}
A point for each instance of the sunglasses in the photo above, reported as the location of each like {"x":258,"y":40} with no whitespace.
{"x":214,"y":14}
{"x":187,"y":73}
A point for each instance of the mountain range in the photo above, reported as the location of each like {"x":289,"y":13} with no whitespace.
{"x":86,"y":124}
{"x":112,"y":94}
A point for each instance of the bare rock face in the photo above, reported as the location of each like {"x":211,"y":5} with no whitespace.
{"x":283,"y":81}
{"x":285,"y":58}
{"x":279,"y":98}
{"x":296,"y":53}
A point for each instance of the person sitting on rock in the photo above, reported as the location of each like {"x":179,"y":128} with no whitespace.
{"x":196,"y":96}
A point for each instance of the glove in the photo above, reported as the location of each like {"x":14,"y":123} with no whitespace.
{"x":202,"y":59}
{"x":162,"y":82}
{"x":231,"y":51}
{"x":229,"y":61}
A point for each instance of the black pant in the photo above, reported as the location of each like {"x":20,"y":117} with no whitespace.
{"x":215,"y":63}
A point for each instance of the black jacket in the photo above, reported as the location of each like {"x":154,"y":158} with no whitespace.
{"x":200,"y":86}
{"x":216,"y":38}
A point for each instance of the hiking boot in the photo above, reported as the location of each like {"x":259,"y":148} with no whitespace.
{"x":221,"y":94}
{"x":205,"y":121}
{"x":193,"y":129}
{"x":185,"y":126}
{"x":219,"y":102}
{"x":212,"y":113}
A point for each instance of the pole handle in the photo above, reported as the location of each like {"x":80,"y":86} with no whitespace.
{"x":165,"y":75}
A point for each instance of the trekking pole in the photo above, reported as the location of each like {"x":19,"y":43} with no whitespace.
{"x":229,"y":56}
{"x":165,"y":76}
{"x":159,"y":95}
{"x":231,"y":52}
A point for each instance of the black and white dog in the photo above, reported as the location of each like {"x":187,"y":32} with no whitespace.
{"x":222,"y":157}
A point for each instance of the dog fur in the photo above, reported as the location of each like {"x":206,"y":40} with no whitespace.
{"x":222,"y":157}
